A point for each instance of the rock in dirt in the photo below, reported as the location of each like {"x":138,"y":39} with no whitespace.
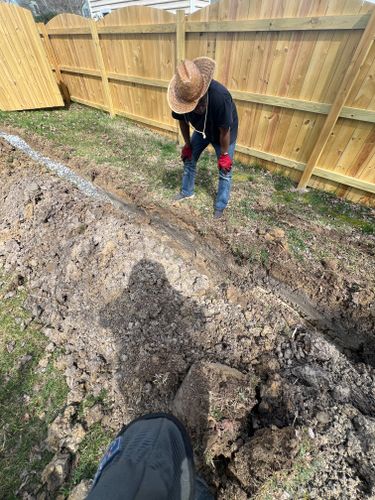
{"x":323,"y":417}
{"x":213,"y":401}
{"x":56,"y":472}
{"x":80,"y":492}
{"x":60,"y":428}
{"x":268,"y":451}
{"x":72,"y":441}
{"x":312,"y":375}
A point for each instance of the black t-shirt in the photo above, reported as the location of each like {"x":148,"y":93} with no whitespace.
{"x":222,"y":113}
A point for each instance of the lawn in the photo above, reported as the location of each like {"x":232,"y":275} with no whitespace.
{"x":32,"y":392}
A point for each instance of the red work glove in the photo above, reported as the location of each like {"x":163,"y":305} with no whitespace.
{"x":186,"y":153}
{"x":224,"y":162}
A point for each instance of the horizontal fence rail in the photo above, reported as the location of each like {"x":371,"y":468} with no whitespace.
{"x":363,"y":115}
{"x":283,"y":71}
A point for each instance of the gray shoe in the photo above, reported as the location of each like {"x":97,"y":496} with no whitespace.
{"x":218,"y":214}
{"x":181,"y":197}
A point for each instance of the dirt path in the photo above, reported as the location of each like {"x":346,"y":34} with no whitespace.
{"x":136,"y":300}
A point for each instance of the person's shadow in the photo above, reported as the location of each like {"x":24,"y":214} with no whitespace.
{"x":153,"y":325}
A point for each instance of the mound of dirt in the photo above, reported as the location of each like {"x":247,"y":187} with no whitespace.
{"x":135,"y":308}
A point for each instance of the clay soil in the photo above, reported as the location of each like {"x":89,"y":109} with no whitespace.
{"x":138,"y":293}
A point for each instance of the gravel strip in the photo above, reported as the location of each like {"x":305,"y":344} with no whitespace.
{"x":59,"y":168}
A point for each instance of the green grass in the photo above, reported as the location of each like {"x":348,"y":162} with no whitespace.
{"x":281,"y":183}
{"x":250,"y":255}
{"x":217,"y":414}
{"x":92,"y":400}
{"x":325,"y":207}
{"x":297,"y":242}
{"x":340,"y":212}
{"x":90,"y":451}
{"x":30,"y":398}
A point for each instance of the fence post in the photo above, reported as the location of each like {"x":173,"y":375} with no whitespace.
{"x":350,"y":77}
{"x":180,"y":36}
{"x":100,"y":62}
{"x":53,"y":61}
{"x":180,"y":50}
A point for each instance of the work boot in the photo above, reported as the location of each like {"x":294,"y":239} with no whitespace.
{"x":181,"y":197}
{"x":218,"y":214}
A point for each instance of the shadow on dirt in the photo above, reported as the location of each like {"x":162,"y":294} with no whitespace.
{"x":154,"y":327}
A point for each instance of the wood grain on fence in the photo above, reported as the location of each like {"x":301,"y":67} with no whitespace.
{"x":284,"y":63}
{"x":26,"y":79}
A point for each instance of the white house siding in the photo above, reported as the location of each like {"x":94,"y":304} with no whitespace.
{"x":98,"y":6}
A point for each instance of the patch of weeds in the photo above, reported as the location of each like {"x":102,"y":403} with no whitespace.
{"x":92,"y":400}
{"x":242,"y":252}
{"x":281,"y":183}
{"x":340,"y":212}
{"x":171,"y":179}
{"x":250,"y":255}
{"x":30,"y":396}
{"x":242,"y":176}
{"x":367,"y":227}
{"x":246,"y":208}
{"x":287,"y":197}
{"x":217,"y":414}
{"x":264,"y":257}
{"x":293,"y":481}
{"x":90,"y":451}
{"x":167,"y":150}
{"x":296,"y":241}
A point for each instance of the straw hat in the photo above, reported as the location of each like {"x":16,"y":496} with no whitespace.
{"x":190,"y":83}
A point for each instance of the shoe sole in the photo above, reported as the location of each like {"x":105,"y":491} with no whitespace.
{"x":183,"y":199}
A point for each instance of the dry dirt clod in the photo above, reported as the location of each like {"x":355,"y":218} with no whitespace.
{"x":269,"y":450}
{"x":213,"y":401}
{"x":94,"y":415}
{"x":56,"y":471}
{"x":60,"y":428}
{"x":72,"y":441}
{"x":81,"y":491}
{"x":323,"y":417}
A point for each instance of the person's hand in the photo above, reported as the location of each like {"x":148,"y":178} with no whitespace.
{"x":186,"y":153}
{"x":224,"y":162}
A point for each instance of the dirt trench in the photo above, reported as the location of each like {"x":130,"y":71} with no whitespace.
{"x":136,"y":301}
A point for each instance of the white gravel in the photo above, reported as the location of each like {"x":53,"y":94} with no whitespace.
{"x":58,"y":168}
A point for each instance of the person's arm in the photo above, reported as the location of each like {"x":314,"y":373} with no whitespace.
{"x":224,"y":139}
{"x":185,"y":131}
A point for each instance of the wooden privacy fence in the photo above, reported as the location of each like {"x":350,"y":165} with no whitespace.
{"x":302,"y":73}
{"x":26,"y":79}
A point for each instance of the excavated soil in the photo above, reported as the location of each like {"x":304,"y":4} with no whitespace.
{"x":136,"y":298}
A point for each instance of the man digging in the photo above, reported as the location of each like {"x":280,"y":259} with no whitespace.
{"x":196,"y":99}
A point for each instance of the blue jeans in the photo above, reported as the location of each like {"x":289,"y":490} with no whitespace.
{"x":198,"y":145}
